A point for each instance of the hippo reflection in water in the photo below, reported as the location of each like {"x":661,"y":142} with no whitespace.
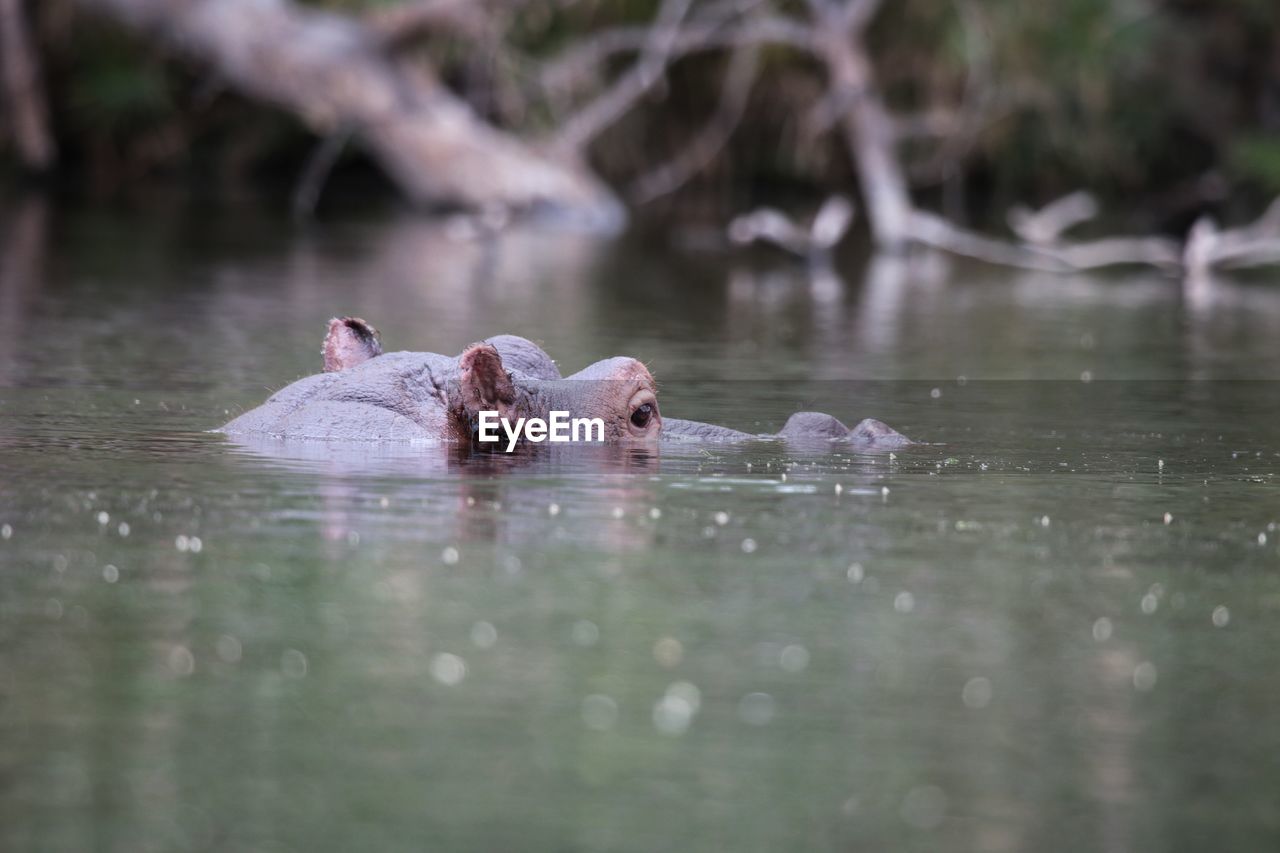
{"x":366,"y":395}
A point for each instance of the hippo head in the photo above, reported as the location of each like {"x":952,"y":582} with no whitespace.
{"x":619,"y":391}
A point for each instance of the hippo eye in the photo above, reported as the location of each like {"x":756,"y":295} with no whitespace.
{"x":640,"y":417}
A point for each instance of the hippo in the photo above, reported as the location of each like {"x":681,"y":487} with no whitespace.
{"x":366,"y":395}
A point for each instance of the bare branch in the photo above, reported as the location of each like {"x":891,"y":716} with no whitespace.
{"x":831,"y":222}
{"x":583,"y":61}
{"x":858,"y":14}
{"x":1255,"y":244}
{"x":934,"y":231}
{"x":931,"y":230}
{"x":768,"y":225}
{"x":974,"y":113}
{"x":1044,"y":226}
{"x":849,"y":17}
{"x":606,"y":109}
{"x":23,"y":89}
{"x":940,"y":122}
{"x":669,"y":176}
{"x":402,"y":23}
{"x":319,"y":166}
{"x":1116,"y":251}
{"x":329,"y":71}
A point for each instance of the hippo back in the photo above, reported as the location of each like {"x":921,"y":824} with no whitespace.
{"x":400,"y":396}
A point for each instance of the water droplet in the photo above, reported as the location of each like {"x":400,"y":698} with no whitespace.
{"x":1086,"y":376}
{"x":1160,"y":464}
{"x":195,"y":544}
{"x":668,"y":652}
{"x":1102,"y":629}
{"x":1149,"y":603}
{"x":721,"y":518}
{"x":935,"y":393}
{"x":757,"y":709}
{"x":585,"y":632}
{"x":1044,"y":521}
{"x":599,"y":712}
{"x":655,"y":513}
{"x":976,"y":692}
{"x":484,"y":635}
{"x":1144,"y":676}
{"x":448,"y":669}
{"x":1262,"y":539}
{"x":449,"y":556}
{"x":924,"y":807}
{"x":855,"y":573}
{"x":748,"y":546}
{"x":181,"y":542}
{"x":228,"y":649}
{"x":553,"y":509}
{"x":6,"y":531}
{"x":103,"y":518}
{"x":904,"y":602}
{"x":1221,"y":616}
{"x":687,"y":691}
{"x":618,"y":512}
{"x":794,"y":658}
{"x":123,"y":529}
{"x":181,"y":661}
{"x":672,"y":715}
{"x":110,"y":573}
{"x":1168,"y":518}
{"x":293,"y":663}
{"x":839,"y":488}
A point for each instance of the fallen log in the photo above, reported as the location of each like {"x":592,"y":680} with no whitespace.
{"x":337,"y":75}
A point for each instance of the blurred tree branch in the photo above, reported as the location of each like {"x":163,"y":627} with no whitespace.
{"x":24,"y":90}
{"x":333,"y":72}
{"x":383,"y":76}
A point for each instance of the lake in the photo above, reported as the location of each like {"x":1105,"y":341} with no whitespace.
{"x":1050,"y":627}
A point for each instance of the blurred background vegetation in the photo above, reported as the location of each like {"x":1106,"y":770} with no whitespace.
{"x":1165,"y":110}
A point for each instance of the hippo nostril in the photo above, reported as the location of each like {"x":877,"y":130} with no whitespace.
{"x":640,"y":417}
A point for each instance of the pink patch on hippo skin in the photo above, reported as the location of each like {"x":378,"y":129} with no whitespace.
{"x":350,"y":341}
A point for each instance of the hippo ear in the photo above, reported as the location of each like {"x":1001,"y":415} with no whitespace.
{"x":350,"y":341}
{"x":486,"y":385}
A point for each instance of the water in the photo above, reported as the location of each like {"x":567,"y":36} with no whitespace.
{"x":1054,"y":627}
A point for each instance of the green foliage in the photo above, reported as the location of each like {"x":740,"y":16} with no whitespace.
{"x":113,"y":93}
{"x":1256,"y":159}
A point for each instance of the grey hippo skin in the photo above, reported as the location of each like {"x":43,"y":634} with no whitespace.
{"x":802,"y":427}
{"x":365,"y":395}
